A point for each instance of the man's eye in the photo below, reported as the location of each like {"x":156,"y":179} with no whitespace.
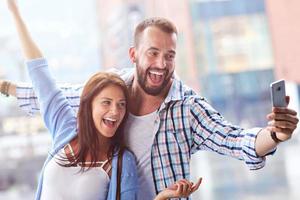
{"x":170,"y":57}
{"x":153,"y":53}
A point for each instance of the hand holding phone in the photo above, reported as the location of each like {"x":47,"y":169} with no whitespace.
{"x":278,"y":93}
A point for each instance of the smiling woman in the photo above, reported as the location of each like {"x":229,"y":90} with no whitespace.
{"x":87,"y":149}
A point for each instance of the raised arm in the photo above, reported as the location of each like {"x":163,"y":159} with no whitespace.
{"x":29,"y":48}
{"x":57,"y":113}
{"x":24,"y":93}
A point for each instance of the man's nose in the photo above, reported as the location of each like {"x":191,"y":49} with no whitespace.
{"x":161,"y":62}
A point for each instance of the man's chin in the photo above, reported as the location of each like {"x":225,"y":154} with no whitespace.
{"x":154,"y":91}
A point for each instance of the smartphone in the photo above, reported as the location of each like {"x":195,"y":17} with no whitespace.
{"x":278,"y":93}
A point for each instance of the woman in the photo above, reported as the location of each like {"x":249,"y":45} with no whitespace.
{"x":83,"y":161}
{"x":88,"y":159}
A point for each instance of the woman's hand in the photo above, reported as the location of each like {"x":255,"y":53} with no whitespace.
{"x":12,"y":5}
{"x":28,"y":46}
{"x":181,"y":188}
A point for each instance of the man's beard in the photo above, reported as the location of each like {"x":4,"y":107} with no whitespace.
{"x":142,"y":80}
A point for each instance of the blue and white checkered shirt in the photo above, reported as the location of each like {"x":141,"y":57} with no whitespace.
{"x":185,"y":124}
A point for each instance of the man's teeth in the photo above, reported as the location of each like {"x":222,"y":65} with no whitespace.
{"x":157,"y":73}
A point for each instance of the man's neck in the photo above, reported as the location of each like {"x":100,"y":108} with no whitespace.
{"x":141,"y":103}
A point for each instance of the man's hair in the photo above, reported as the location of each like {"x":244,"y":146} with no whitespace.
{"x":163,"y":24}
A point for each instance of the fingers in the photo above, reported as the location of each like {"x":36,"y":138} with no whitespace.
{"x":185,"y":188}
{"x":284,"y":110}
{"x":283,"y":124}
{"x":281,"y":117}
{"x":12,"y":5}
{"x":196,"y":186}
{"x":173,"y":187}
{"x":287,"y":100}
{"x":283,"y":120}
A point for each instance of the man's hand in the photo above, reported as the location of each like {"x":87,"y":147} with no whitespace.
{"x":283,"y":121}
{"x":182,"y":188}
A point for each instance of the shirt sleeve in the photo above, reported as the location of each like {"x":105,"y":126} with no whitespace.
{"x":212,"y":132}
{"x":57,"y":113}
{"x":28,"y":102}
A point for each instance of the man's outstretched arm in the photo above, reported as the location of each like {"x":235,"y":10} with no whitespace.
{"x":28,"y":101}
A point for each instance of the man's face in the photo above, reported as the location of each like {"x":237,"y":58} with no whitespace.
{"x":155,"y":60}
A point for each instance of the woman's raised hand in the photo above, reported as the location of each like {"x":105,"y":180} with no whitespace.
{"x":12,"y":5}
{"x":181,"y":188}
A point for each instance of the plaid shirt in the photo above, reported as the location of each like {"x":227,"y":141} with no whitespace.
{"x":185,"y":124}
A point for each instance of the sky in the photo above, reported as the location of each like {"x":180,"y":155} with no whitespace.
{"x":66,"y":32}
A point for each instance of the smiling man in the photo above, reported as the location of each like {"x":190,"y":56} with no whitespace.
{"x":168,"y":121}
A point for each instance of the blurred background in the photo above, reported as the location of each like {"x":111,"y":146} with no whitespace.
{"x":228,"y":50}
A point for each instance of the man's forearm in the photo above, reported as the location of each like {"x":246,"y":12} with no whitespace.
{"x":8,"y":88}
{"x":264,"y":142}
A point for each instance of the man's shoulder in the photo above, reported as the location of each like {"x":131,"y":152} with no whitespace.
{"x":186,"y":92}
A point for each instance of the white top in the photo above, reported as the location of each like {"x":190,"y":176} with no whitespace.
{"x":139,"y":135}
{"x":65,"y":183}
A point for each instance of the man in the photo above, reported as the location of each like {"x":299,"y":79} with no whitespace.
{"x":168,"y":122}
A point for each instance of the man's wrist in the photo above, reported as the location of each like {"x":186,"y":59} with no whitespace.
{"x":275,"y":138}
{"x":4,"y":88}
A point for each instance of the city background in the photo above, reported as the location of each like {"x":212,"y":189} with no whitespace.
{"x":229,"y":51}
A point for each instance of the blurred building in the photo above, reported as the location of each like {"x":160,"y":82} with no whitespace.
{"x":285,"y":30}
{"x":234,"y":56}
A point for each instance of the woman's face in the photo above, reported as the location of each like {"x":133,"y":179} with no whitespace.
{"x":109,"y":108}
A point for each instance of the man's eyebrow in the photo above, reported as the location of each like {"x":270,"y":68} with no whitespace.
{"x":172,"y":52}
{"x":156,"y":49}
{"x":153,"y":48}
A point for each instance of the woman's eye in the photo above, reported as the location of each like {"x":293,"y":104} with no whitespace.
{"x":122,"y":105}
{"x":105,"y":103}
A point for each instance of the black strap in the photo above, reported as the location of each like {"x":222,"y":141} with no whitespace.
{"x":119,"y":173}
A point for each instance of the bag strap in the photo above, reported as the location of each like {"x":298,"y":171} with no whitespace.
{"x":119,"y":173}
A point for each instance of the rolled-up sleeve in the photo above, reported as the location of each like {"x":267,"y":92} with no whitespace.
{"x":213,"y":133}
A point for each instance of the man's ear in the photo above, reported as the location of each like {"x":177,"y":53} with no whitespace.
{"x":132,"y":54}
